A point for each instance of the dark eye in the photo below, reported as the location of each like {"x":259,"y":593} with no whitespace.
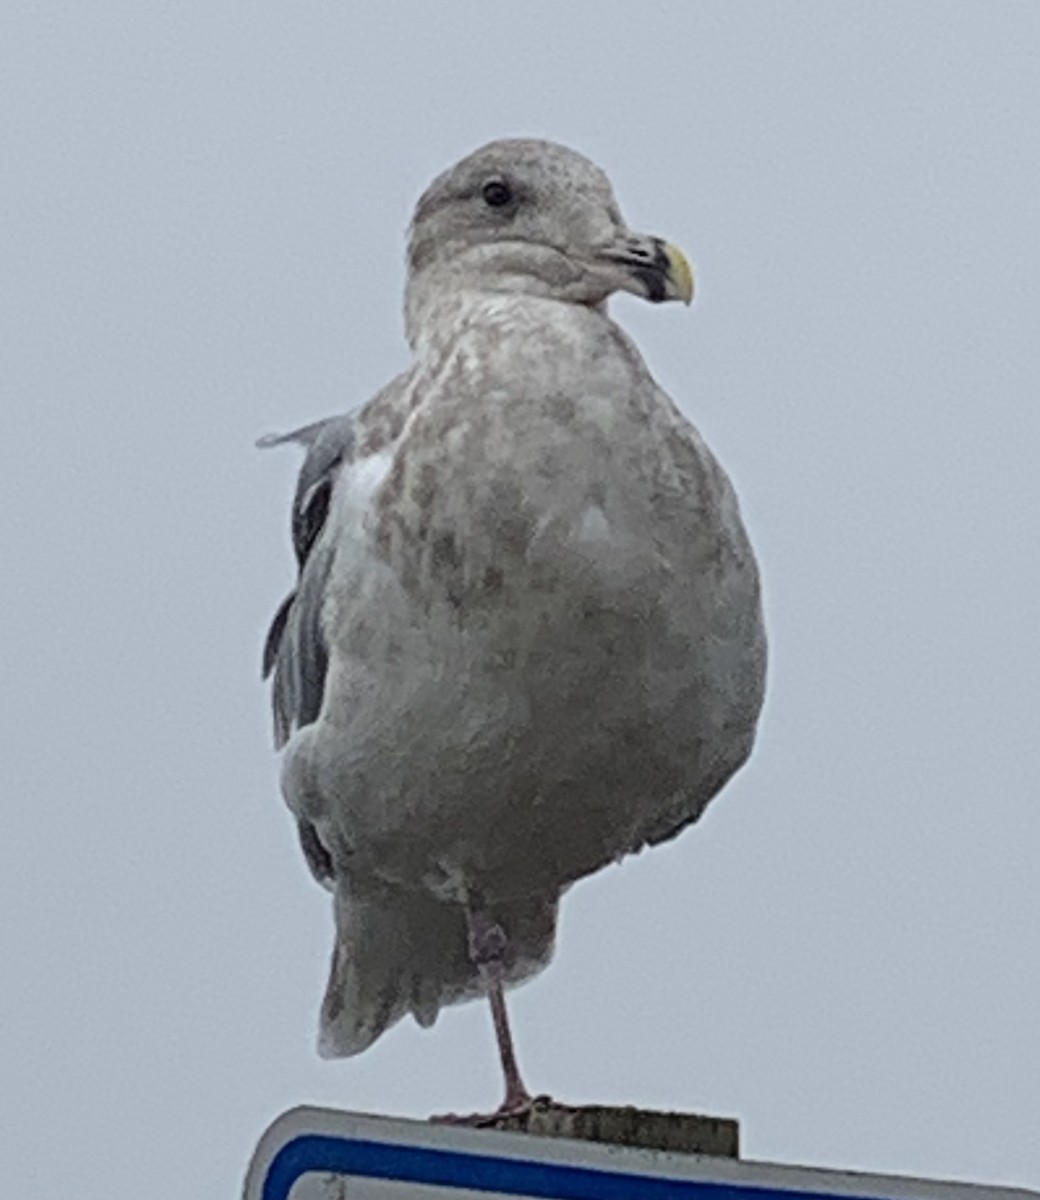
{"x":497,"y":192}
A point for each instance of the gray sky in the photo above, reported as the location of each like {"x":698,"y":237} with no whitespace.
{"x":203,"y":213}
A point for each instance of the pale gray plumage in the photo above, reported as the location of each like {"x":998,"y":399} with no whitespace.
{"x":526,"y":638}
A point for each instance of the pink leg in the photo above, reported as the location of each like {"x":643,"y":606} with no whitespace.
{"x":487,"y":944}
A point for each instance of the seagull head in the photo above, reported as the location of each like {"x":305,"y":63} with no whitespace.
{"x":533,"y":217}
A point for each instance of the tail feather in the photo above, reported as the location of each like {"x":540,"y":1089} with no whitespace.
{"x":398,"y":952}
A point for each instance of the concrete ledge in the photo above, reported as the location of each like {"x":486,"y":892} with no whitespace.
{"x":682,"y":1133}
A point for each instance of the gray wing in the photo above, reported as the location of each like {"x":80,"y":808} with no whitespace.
{"x":295,"y":650}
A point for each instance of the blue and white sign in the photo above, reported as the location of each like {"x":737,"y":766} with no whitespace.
{"x":319,"y":1154}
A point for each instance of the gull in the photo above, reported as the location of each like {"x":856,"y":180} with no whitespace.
{"x":526,"y":637}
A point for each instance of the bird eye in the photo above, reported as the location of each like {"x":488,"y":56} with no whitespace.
{"x":496,"y":193}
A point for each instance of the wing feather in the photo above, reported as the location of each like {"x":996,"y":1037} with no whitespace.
{"x":295,"y":651}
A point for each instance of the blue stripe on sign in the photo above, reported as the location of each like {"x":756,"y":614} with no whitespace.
{"x":484,"y":1173}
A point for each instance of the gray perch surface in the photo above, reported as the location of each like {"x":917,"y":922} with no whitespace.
{"x":681,"y":1133}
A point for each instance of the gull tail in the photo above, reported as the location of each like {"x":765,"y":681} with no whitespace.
{"x":399,"y":951}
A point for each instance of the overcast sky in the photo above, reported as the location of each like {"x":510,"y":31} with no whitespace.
{"x":203,"y":215}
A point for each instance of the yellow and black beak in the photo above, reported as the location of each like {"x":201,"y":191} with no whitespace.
{"x":651,"y":268}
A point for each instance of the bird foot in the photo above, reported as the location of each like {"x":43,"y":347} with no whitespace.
{"x":518,"y":1101}
{"x":518,"y":1105}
